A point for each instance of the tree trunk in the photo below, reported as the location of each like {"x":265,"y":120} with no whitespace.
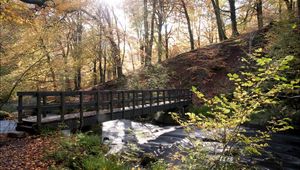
{"x":166,"y":42}
{"x":78,"y":51}
{"x":289,"y":6}
{"x":159,"y":27}
{"x":47,"y":54}
{"x":65,"y":54}
{"x":146,"y":32}
{"x":104,"y":69}
{"x":259,"y":14}
{"x":95,"y":72}
{"x":221,"y":32}
{"x":298,"y":8}
{"x":117,"y":69}
{"x":188,"y":24}
{"x":148,"y":59}
{"x":101,"y":74}
{"x":233,"y":18}
{"x":100,"y":56}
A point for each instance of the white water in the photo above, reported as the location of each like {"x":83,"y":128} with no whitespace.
{"x":7,"y":126}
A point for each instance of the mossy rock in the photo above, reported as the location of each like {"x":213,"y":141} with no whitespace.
{"x":4,"y":115}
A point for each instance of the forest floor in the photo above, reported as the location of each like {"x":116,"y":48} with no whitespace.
{"x":26,"y":153}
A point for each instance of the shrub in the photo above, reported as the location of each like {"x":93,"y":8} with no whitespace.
{"x":84,"y":151}
{"x":254,"y":91}
{"x":159,"y":165}
{"x":152,"y":77}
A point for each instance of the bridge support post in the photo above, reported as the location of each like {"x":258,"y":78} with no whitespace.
{"x":98,"y":106}
{"x":38,"y":110}
{"x":81,"y":109}
{"x":20,"y":109}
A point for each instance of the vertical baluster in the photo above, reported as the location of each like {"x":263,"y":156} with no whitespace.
{"x":164,"y":96}
{"x":157,"y":97}
{"x":44,"y":104}
{"x":128,"y":98}
{"x":123,"y":105}
{"x":111,"y":104}
{"x":169,"y":96}
{"x":98,"y":105}
{"x":133,"y":102}
{"x":119,"y":102}
{"x":20,"y":108}
{"x":81,"y":109}
{"x":143,"y":101}
{"x":150,"y":101}
{"x":62,"y":107}
{"x":38,"y":110}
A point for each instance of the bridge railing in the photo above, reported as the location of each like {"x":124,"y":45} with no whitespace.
{"x":44,"y":103}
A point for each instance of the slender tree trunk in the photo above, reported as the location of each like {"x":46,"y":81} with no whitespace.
{"x":166,"y":42}
{"x":95,"y":72}
{"x":188,"y":24}
{"x":259,"y":14}
{"x":160,"y":25}
{"x":289,"y":6}
{"x":100,"y":56}
{"x":159,"y":45}
{"x":233,"y":18}
{"x":146,"y":33}
{"x":78,"y":51}
{"x":104,"y":69}
{"x":47,"y":54}
{"x":65,"y":54}
{"x":221,"y":32}
{"x":280,"y":9}
{"x":150,"y":45}
{"x":101,"y":74}
{"x":117,"y":69}
{"x":298,"y":8}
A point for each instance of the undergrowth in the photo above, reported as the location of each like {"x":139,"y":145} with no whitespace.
{"x":83,"y":151}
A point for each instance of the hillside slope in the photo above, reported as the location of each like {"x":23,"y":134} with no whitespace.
{"x":207,"y":67}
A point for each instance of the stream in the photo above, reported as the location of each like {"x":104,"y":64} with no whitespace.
{"x":164,"y":141}
{"x":7,"y":126}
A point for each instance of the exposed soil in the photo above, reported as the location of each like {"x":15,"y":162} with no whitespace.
{"x":207,"y":68}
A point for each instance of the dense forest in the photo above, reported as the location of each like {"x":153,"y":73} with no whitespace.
{"x":240,"y":58}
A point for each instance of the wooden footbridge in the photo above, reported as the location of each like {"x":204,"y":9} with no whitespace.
{"x":83,"y":108}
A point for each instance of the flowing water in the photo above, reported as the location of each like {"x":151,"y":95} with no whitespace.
{"x":7,"y":126}
{"x":163,"y":142}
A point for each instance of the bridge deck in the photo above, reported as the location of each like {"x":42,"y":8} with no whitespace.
{"x":52,"y":108}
